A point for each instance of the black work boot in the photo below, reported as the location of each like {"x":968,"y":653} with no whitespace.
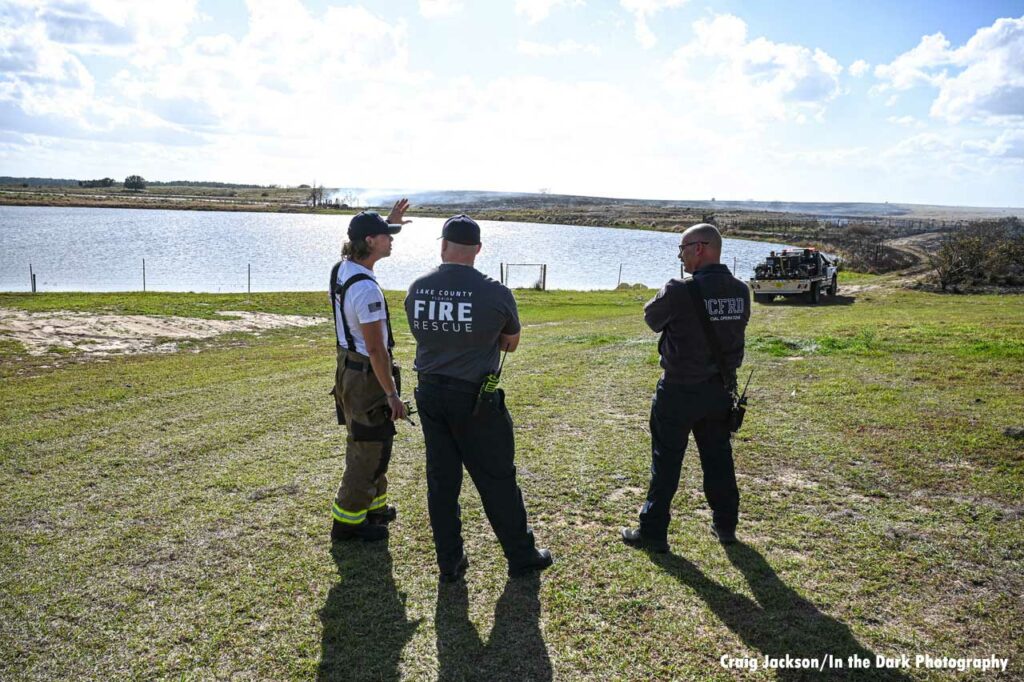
{"x":541,"y":560}
{"x":633,"y":538}
{"x":382,"y":516}
{"x":457,"y":572}
{"x":365,"y":531}
{"x":726,"y":537}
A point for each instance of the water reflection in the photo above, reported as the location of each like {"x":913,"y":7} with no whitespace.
{"x":100,"y":249}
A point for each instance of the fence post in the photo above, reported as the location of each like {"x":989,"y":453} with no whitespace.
{"x":620,"y":277}
{"x":544,"y":277}
{"x":33,"y":283}
{"x":501,"y":270}
{"x":248,"y":279}
{"x":143,"y":274}
{"x":31,"y":278}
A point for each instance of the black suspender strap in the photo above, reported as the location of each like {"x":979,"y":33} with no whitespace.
{"x":338,"y":305}
{"x":693,"y":288}
{"x":332,"y":287}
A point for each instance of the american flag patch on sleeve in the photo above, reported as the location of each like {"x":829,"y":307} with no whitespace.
{"x":374,"y":307}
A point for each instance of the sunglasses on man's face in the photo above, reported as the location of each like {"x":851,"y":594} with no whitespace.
{"x":682,"y":247}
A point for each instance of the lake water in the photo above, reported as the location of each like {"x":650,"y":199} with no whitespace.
{"x":101,"y":249}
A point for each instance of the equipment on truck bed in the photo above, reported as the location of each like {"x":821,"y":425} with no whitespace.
{"x":795,"y":272}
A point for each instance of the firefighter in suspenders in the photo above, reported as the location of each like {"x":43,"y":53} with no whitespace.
{"x":366,"y":383}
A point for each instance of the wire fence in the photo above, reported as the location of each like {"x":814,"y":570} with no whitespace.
{"x":34,"y":281}
{"x":512,"y":275}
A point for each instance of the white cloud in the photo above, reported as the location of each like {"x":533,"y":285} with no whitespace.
{"x":917,"y":66}
{"x":1009,"y":145}
{"x":143,"y":31}
{"x":214,"y":85}
{"x":859,"y":68}
{"x":992,"y":82}
{"x":565,"y":47}
{"x":244,"y":87}
{"x":642,"y":10}
{"x":982,"y":79}
{"x":751,"y":80}
{"x":440,"y":8}
{"x":953,"y":148}
{"x":905,"y":121}
{"x":537,"y":11}
{"x":27,"y":57}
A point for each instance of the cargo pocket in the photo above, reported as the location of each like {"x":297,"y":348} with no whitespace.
{"x":380,"y":432}
{"x":379,"y":428}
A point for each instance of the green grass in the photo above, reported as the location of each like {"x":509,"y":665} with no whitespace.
{"x":851,"y":277}
{"x":164,"y":303}
{"x":166,"y":516}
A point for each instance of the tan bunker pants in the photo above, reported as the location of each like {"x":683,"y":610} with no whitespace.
{"x":363,"y":403}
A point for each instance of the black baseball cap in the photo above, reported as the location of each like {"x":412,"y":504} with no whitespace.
{"x":461,"y":229}
{"x":369,"y":223}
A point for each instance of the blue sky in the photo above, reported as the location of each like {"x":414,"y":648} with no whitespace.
{"x":908,"y":101}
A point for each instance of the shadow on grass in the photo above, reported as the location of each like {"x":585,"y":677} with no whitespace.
{"x":364,"y":621}
{"x":780,"y":621}
{"x":515,"y":650}
{"x":800,"y":302}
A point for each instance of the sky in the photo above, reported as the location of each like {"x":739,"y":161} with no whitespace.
{"x":795,"y":100}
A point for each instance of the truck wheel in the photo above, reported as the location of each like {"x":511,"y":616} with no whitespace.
{"x":763,"y":298}
{"x":814,"y":295}
{"x":833,"y":288}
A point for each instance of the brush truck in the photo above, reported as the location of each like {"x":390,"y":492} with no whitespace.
{"x":795,"y":272}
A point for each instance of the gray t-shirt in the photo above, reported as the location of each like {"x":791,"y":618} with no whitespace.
{"x":457,"y":313}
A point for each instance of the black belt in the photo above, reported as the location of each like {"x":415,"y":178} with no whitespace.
{"x":451,"y":383}
{"x":713,"y":379}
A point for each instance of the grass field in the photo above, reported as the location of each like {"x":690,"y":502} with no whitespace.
{"x":166,"y":516}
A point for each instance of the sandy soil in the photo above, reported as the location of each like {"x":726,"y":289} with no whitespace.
{"x":93,"y":334}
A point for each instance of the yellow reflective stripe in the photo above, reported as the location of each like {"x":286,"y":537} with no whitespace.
{"x":379,"y":502}
{"x":344,"y":516}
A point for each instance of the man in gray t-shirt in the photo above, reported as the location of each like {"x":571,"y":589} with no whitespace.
{"x":457,"y":315}
{"x":461,"y":320}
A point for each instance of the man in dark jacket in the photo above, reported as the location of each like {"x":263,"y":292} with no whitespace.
{"x":692,"y":395}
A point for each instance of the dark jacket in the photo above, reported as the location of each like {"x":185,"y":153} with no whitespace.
{"x":685,"y":354}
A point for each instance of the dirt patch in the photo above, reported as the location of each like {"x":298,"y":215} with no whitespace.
{"x":92,"y":334}
{"x":846,"y":289}
{"x":627,"y":493}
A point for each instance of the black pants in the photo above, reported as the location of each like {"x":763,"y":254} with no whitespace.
{"x":485,"y":445}
{"x":677,"y":410}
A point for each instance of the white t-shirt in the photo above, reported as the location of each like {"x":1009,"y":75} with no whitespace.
{"x":364,"y":302}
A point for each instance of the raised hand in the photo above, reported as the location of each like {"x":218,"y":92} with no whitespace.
{"x":396,"y":217}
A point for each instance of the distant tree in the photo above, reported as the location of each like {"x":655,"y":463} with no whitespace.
{"x":316,"y":196}
{"x":105,"y":182}
{"x":135,"y":182}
